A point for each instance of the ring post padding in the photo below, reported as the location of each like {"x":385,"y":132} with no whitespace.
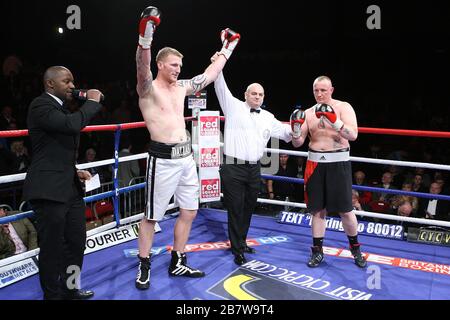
{"x":115,"y":177}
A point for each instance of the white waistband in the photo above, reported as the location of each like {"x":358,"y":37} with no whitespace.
{"x":329,"y":156}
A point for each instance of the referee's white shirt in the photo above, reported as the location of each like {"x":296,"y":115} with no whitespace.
{"x":246,"y":133}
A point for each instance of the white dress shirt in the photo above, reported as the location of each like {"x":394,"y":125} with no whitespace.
{"x":246,"y":133}
{"x":20,"y":246}
{"x":56,"y":98}
{"x":431,"y":208}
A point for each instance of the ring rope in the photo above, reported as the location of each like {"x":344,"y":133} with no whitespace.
{"x":141,"y":124}
{"x":117,"y":191}
{"x":366,"y":188}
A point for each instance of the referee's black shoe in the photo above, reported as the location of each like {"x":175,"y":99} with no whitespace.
{"x":248,"y":249}
{"x":316,"y":257}
{"x":239,"y":259}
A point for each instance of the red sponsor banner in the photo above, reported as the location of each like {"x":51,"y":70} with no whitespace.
{"x":392,"y":261}
{"x":210,"y":188}
{"x":438,"y":268}
{"x":209,"y":157}
{"x":209,"y":125}
{"x":221,"y":245}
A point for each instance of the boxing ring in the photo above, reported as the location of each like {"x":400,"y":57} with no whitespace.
{"x":397,"y":269}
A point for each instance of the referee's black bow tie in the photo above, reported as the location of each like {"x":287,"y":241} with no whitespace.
{"x":255,"y":110}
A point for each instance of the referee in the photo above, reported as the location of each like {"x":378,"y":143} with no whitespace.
{"x":248,"y":128}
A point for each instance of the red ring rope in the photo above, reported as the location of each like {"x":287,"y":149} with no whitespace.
{"x":134,"y":125}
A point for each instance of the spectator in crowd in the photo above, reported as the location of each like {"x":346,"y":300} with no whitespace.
{"x":439,"y":178}
{"x":7,"y":121}
{"x":129,"y":169}
{"x":426,"y":177}
{"x":386,"y":183}
{"x":359,"y":178}
{"x":22,"y":234}
{"x":404,"y":209}
{"x":355,"y":201}
{"x":6,"y":160}
{"x":90,"y":156}
{"x":434,"y":208}
{"x":299,"y":190}
{"x":281,"y":190}
{"x":21,"y":160}
{"x":418,"y":184}
{"x":407,"y":186}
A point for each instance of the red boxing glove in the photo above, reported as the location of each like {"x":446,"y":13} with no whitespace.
{"x":298,"y":117}
{"x":230,"y":39}
{"x":150,"y":18}
{"x":327,"y":112}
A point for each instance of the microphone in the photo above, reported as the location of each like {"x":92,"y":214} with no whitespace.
{"x":82,"y":95}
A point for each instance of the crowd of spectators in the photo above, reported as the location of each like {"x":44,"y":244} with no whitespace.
{"x":21,"y":82}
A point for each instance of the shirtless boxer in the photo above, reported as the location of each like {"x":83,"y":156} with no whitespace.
{"x":330,"y":125}
{"x":171,"y":169}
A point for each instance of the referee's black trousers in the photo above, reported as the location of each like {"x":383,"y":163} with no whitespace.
{"x":241,"y":185}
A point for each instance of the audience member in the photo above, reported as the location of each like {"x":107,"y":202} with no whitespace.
{"x":21,"y":160}
{"x":21,"y":232}
{"x":281,"y":190}
{"x":434,"y":208}
{"x":129,"y":169}
{"x":359,"y":178}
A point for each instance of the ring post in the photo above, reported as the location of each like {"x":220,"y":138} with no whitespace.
{"x":115,"y":178}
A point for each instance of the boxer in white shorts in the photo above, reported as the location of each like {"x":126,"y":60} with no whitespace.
{"x":171,"y":169}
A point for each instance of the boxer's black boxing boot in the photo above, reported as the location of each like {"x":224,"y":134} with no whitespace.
{"x":178,"y":267}
{"x":360,"y":261}
{"x":143,"y":276}
{"x":316,"y":257}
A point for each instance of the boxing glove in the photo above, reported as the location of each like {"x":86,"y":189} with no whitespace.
{"x":230,"y":39}
{"x":150,"y":19}
{"x":298,"y":117}
{"x":327,"y":112}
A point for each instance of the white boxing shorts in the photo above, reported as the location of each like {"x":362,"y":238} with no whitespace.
{"x":171,"y":171}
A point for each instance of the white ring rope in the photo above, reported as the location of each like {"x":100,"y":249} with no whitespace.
{"x":32,"y":253}
{"x":383,"y":216}
{"x":90,"y":233}
{"x":81,"y":166}
{"x":21,"y":176}
{"x":370,"y":160}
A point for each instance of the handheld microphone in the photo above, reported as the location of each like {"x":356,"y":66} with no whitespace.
{"x":82,"y":95}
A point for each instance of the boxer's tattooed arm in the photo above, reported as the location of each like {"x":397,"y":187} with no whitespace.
{"x":144,"y":74}
{"x":348,"y":133}
{"x":194,"y":85}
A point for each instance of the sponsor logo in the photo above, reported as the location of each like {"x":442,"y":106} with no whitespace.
{"x":17,"y":271}
{"x":210,"y":188}
{"x":367,"y":228}
{"x":209,"y":125}
{"x":209,"y":157}
{"x":257,"y":280}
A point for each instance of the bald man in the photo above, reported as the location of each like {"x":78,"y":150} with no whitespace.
{"x":52,"y":185}
{"x":330,"y":125}
{"x":248,"y":128}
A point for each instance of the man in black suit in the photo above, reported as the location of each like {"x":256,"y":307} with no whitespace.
{"x":434,"y":208}
{"x":53,"y":187}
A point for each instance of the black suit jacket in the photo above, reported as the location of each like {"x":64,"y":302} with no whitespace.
{"x":54,"y":134}
{"x":442,"y":209}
